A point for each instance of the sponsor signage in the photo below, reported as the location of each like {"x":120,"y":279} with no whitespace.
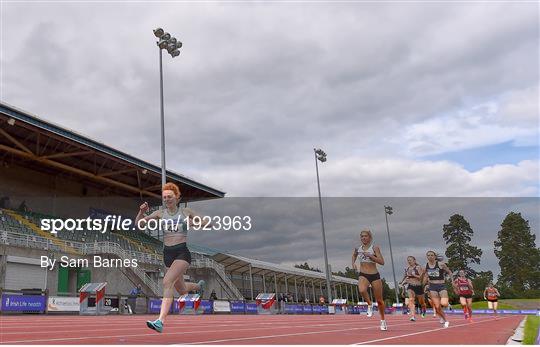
{"x":206,"y":306}
{"x":63,"y":304}
{"x":289,"y":308}
{"x":23,"y":303}
{"x":221,"y":306}
{"x":238,"y":307}
{"x":154,"y":305}
{"x":251,"y":307}
{"x":308,"y":309}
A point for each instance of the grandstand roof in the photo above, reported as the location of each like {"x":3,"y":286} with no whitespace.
{"x":238,"y":264}
{"x":40,"y":145}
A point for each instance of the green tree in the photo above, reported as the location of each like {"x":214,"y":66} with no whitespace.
{"x":306,"y":266}
{"x":389,"y":295}
{"x":458,"y":234}
{"x":519,"y":258}
{"x":349,"y":273}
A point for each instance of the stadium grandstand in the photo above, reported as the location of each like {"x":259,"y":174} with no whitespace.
{"x":50,"y":172}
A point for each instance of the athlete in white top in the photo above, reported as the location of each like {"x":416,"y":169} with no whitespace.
{"x":176,"y":255}
{"x":412,"y":277}
{"x":365,"y":259}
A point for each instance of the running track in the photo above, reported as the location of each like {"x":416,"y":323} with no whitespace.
{"x":252,"y":330}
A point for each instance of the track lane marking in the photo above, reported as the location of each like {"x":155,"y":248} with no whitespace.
{"x":154,"y":334}
{"x":429,"y":331}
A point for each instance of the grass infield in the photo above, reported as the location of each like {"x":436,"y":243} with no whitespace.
{"x":507,"y":304}
{"x":531,"y":330}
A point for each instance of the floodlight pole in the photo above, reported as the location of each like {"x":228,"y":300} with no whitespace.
{"x":172,"y":46}
{"x":163,"y":171}
{"x":327,"y":268}
{"x":388,"y":210}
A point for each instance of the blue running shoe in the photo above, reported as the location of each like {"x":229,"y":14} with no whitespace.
{"x":201,"y":285}
{"x":157,"y":325}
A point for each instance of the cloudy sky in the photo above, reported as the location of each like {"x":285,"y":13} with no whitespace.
{"x":427,"y":99}
{"x":288,"y":230}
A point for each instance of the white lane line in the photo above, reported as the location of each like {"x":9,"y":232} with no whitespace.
{"x":171,"y":321}
{"x":154,"y":334}
{"x":293,"y":334}
{"x":138,"y":326}
{"x":427,"y":331}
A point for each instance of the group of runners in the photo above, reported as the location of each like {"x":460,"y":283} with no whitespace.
{"x":421,"y":283}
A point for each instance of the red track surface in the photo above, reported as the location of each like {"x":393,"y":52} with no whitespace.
{"x":240,"y":329}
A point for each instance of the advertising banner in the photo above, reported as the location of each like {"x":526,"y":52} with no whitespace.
{"x":206,"y":306}
{"x":63,"y":304}
{"x":238,"y":307}
{"x":221,"y":306}
{"x":23,"y":303}
{"x":251,"y":307}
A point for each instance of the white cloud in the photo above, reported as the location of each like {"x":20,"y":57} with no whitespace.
{"x":257,"y":85}
{"x":355,"y":176}
{"x":521,"y":106}
{"x":481,"y":125}
{"x":288,"y":230}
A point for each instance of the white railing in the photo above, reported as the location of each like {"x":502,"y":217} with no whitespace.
{"x":31,"y":241}
{"x":220,"y":270}
{"x":113,"y":248}
{"x":34,"y":241}
{"x":107,"y":247}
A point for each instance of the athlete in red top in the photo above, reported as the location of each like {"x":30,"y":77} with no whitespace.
{"x":492,"y":295}
{"x":464,"y":288}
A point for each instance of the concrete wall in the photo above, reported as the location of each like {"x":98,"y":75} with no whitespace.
{"x":117,"y":281}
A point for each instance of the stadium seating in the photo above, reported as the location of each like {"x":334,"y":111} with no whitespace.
{"x":10,"y":224}
{"x":138,"y":241}
{"x":128,"y":240}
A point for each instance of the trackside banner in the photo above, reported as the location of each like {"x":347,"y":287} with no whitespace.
{"x":238,"y":307}
{"x":63,"y":304}
{"x":222,"y":306}
{"x":23,"y":303}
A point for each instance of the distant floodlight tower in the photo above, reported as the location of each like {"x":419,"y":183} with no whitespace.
{"x":388,"y":210}
{"x":172,"y":46}
{"x":320,"y":155}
